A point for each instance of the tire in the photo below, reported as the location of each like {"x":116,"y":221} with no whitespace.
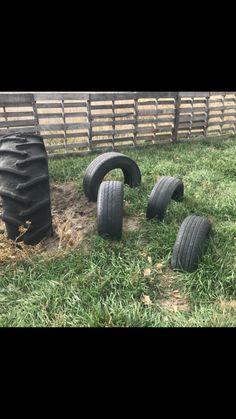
{"x":24,"y":187}
{"x":166,"y":188}
{"x":190,"y":242}
{"x":102,"y":165}
{"x":110,"y":209}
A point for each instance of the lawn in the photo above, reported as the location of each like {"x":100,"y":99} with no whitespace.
{"x":129,"y":283}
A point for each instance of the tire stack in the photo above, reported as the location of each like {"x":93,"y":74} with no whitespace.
{"x":110,"y":194}
{"x":24,"y":188}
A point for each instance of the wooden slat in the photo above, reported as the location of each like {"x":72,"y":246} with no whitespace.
{"x":116,"y":106}
{"x":220,"y":123}
{"x":157,"y":112}
{"x":23,"y":122}
{"x":69,"y":146}
{"x":193,"y":126}
{"x":130,"y":95}
{"x":50,"y":115}
{"x":16,"y":114}
{"x":55,"y":105}
{"x":194,"y":94}
{"x":112,"y":116}
{"x":112,"y":132}
{"x":107,"y":123}
{"x":60,"y":96}
{"x":60,"y":127}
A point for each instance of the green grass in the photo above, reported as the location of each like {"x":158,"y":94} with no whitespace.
{"x":102,"y":283}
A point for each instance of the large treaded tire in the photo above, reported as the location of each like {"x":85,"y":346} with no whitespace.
{"x":24,"y":187}
{"x":190,"y":242}
{"x":165,"y":189}
{"x":102,"y":165}
{"x":110,"y":209}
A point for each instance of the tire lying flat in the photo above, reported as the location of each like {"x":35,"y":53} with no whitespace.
{"x":190,"y":242}
{"x":165,"y":189}
{"x":110,"y":209}
{"x":24,"y":187}
{"x":102,"y":165}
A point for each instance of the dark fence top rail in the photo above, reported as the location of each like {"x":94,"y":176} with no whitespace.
{"x":29,"y":97}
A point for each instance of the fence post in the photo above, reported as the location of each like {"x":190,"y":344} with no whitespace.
{"x":234,"y":129}
{"x":89,"y":112}
{"x":136,"y":121}
{"x":64,"y":122}
{"x":176,"y":121}
{"x":113,"y":124}
{"x":36,"y":118}
{"x":207,"y":115}
{"x":191,"y":118}
{"x":223,"y":112}
{"x":5,"y":117}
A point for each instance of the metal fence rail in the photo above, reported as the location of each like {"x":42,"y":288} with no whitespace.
{"x":86,"y":121}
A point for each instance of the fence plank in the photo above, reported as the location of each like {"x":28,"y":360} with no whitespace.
{"x":99,"y":120}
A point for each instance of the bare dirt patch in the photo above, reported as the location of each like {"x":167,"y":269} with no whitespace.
{"x":73,"y":217}
{"x":130,"y":223}
{"x":172,"y":299}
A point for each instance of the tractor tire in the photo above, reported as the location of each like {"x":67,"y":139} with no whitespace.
{"x":102,"y":165}
{"x":190,"y":242}
{"x":110,"y":209}
{"x":166,"y":188}
{"x":24,"y":187}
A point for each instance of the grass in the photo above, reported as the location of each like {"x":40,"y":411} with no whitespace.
{"x":102,"y":284}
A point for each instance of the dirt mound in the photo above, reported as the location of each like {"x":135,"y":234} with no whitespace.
{"x":73,"y":216}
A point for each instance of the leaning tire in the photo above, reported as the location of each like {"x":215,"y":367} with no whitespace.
{"x":24,"y":187}
{"x":190,"y":242}
{"x":110,"y":209}
{"x":102,"y":165}
{"x":166,"y":188}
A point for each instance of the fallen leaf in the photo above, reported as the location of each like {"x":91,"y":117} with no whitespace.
{"x":149,"y":259}
{"x":147,"y":272}
{"x":159,"y":266}
{"x":146,"y":300}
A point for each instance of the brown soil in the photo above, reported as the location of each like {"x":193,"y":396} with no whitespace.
{"x":130,"y":223}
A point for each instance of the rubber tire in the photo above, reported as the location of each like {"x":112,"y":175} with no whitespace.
{"x":190,"y":242}
{"x":24,"y":187}
{"x":102,"y":165}
{"x":110,"y":209}
{"x":165,"y":189}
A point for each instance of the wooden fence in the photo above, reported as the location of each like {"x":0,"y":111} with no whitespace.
{"x":74,"y":123}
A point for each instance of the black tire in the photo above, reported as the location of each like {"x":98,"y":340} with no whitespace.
{"x":102,"y":165}
{"x":24,"y":187}
{"x":190,"y":242}
{"x":166,"y":188}
{"x":110,"y":209}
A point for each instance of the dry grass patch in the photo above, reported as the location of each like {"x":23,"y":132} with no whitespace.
{"x":172,"y":299}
